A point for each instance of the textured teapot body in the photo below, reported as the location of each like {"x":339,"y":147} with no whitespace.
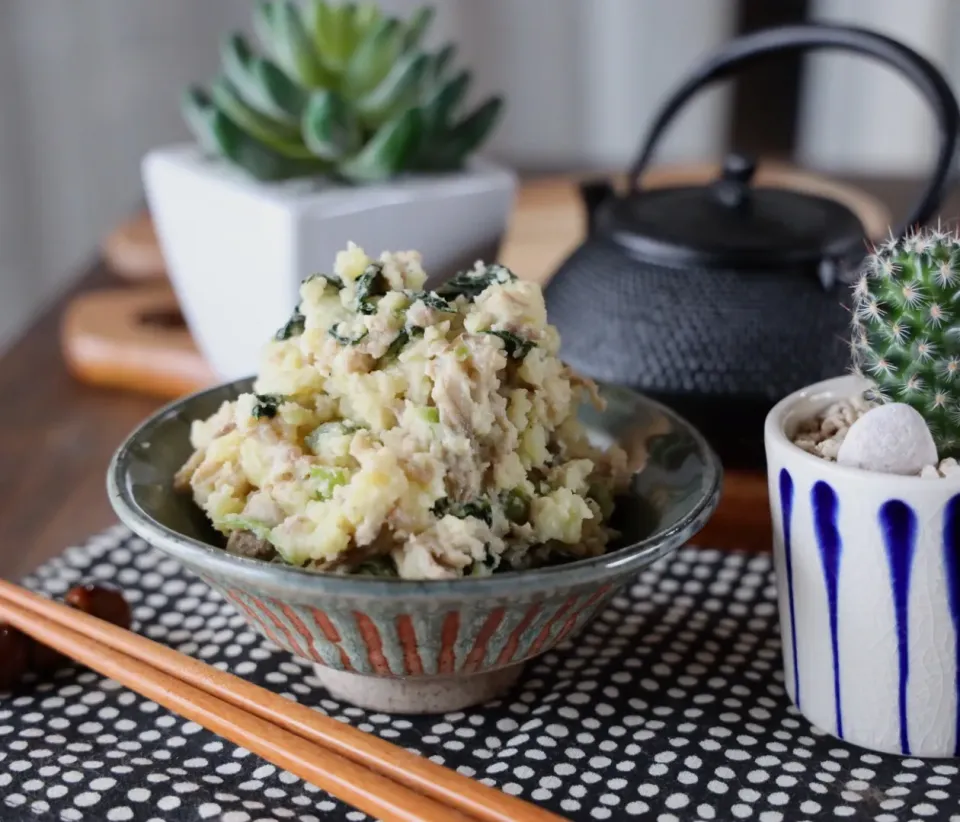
{"x":721,"y":346}
{"x":710,"y":332}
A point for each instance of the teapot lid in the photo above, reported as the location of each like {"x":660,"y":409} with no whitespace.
{"x":730,"y":223}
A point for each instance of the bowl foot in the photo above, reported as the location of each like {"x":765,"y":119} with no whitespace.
{"x":418,"y":695}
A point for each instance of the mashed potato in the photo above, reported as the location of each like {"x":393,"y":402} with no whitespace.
{"x":403,"y":432}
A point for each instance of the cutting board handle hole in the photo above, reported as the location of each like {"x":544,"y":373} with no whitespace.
{"x":162,"y":318}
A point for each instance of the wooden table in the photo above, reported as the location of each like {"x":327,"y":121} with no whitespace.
{"x":59,"y":434}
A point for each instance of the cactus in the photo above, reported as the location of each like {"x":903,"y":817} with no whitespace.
{"x":906,"y":337}
{"x":345,"y":92}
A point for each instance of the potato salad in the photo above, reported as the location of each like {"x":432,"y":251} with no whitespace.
{"x":401,"y":432}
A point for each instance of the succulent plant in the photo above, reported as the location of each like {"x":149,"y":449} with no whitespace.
{"x":344,"y":91}
{"x":906,"y":338}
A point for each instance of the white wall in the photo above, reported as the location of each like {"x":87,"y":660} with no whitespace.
{"x":858,"y":116}
{"x":86,"y":87}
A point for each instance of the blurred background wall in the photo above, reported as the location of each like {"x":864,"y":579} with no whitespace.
{"x":86,"y":88}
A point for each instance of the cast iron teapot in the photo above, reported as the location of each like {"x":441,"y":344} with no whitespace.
{"x":719,"y":299}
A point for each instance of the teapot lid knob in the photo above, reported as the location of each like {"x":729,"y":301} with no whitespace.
{"x":733,"y":187}
{"x":738,"y":168}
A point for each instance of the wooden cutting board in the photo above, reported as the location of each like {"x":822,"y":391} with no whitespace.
{"x":133,"y":337}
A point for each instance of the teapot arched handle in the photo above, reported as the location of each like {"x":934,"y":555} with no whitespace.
{"x":805,"y":37}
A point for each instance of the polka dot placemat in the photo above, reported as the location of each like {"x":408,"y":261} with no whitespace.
{"x":669,"y":707}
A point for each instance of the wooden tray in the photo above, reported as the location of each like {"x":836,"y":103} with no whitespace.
{"x":132,"y":337}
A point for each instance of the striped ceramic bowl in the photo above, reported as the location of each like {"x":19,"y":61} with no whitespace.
{"x":424,"y":646}
{"x":868,"y":578}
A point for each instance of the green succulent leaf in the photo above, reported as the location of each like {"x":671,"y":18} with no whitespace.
{"x":373,"y":57}
{"x":331,"y":28}
{"x":264,"y":23}
{"x":340,"y":88}
{"x":286,"y":98}
{"x":449,"y":151}
{"x":438,"y":110}
{"x":399,"y":90}
{"x":417,"y":26}
{"x":260,"y":84}
{"x":281,"y":137}
{"x":236,"y":57}
{"x":254,"y":157}
{"x":386,"y":153}
{"x":366,"y":16}
{"x":301,"y":56}
{"x":330,"y":126}
{"x":442,"y":59}
{"x":199,"y":114}
{"x":280,"y":26}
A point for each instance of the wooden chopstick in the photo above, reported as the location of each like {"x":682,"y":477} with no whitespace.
{"x":383,"y":766}
{"x":370,"y":792}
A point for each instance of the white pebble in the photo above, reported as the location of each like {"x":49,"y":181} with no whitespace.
{"x":929,"y":472}
{"x":889,"y":439}
{"x":949,"y":466}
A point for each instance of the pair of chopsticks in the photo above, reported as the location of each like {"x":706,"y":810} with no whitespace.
{"x":365,"y":771}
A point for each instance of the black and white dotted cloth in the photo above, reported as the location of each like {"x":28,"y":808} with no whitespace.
{"x":669,"y":707}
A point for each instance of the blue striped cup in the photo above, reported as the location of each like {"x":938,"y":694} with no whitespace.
{"x":868,"y":576}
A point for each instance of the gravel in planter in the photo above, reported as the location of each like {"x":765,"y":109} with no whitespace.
{"x":823,"y":434}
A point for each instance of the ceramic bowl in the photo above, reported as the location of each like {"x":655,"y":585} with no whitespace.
{"x":868,"y":579}
{"x":424,"y":646}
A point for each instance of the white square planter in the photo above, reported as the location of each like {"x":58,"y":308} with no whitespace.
{"x":868,"y":580}
{"x":236,"y":250}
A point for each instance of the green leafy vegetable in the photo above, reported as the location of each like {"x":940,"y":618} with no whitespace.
{"x":478,"y":508}
{"x":516,"y":505}
{"x":343,"y":340}
{"x":266,"y":406}
{"x":432,"y":300}
{"x":471,"y":284}
{"x":376,"y":567}
{"x":293,"y":327}
{"x":370,"y":284}
{"x":485,"y":567}
{"x":332,"y":279}
{"x":398,"y":344}
{"x":515,"y":346}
